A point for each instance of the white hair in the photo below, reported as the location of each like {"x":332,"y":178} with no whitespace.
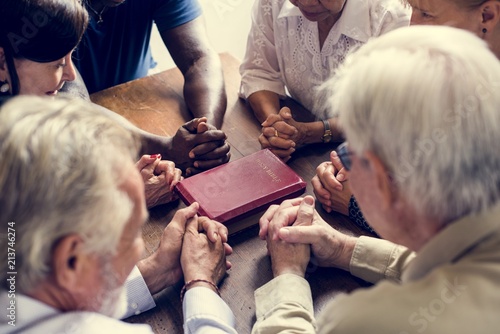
{"x":60,"y":173}
{"x":425,"y":100}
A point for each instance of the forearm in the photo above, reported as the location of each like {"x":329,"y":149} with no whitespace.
{"x":312,"y":132}
{"x":154,"y":275}
{"x":375,"y":259}
{"x":150,"y":143}
{"x":204,"y":90}
{"x":284,"y":305}
{"x":343,"y":261}
{"x":264,"y":103}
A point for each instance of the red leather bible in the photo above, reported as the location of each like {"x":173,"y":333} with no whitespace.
{"x":241,"y":187}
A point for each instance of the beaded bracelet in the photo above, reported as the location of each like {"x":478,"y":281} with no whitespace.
{"x":188,"y":284}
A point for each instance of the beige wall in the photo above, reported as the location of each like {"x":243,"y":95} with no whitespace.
{"x":228,"y":23}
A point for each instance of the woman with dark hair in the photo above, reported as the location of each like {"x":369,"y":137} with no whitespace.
{"x":36,"y":41}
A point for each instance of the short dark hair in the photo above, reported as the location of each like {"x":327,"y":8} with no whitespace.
{"x":39,"y":30}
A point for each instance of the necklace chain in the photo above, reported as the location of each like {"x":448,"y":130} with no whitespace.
{"x":98,"y":14}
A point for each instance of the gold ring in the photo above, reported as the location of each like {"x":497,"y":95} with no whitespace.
{"x":276,"y":134}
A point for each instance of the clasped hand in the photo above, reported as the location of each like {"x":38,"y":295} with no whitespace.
{"x":295,"y":227}
{"x":199,"y":146}
{"x":190,"y":245}
{"x":160,"y":178}
{"x":331,"y":185}
{"x":281,"y":134}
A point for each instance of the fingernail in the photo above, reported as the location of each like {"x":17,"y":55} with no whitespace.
{"x":215,"y":235}
{"x":309,"y":201}
{"x":196,"y":164}
{"x":341,"y":177}
{"x":191,"y":155}
{"x":155,"y":156}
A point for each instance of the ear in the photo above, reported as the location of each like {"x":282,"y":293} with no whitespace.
{"x":382,"y":180}
{"x":490,"y":12}
{"x":71,"y":266}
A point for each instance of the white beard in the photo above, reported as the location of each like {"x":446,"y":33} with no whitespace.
{"x":113,"y":300}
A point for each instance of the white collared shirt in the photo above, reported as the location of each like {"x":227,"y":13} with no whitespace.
{"x":283,"y":46}
{"x":204,"y":312}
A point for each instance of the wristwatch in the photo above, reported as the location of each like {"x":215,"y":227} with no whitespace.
{"x":327,"y":136}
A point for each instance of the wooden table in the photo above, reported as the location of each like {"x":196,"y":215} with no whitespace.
{"x":156,"y":104}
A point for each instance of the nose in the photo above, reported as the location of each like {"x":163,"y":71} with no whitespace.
{"x":69,"y":73}
{"x":415,"y":19}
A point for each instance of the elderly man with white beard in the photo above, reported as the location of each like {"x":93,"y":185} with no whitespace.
{"x":73,"y":203}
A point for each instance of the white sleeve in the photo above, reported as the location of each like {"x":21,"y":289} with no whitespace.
{"x":139,"y":299}
{"x":205,"y":312}
{"x":397,"y":15}
{"x":260,"y":69}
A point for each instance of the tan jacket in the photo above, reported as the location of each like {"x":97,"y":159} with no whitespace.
{"x":451,"y":286}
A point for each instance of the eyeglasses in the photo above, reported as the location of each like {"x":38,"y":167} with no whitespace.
{"x":344,"y":155}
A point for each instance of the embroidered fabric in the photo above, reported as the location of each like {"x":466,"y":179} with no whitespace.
{"x":356,"y":215}
{"x":283,"y":51}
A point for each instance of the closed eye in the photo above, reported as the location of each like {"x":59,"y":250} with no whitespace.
{"x":426,"y":15}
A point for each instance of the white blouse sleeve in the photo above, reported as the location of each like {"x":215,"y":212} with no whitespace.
{"x":260,"y":69}
{"x":396,"y":16}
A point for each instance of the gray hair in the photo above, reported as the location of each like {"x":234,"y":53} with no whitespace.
{"x":60,"y":172}
{"x":425,"y":100}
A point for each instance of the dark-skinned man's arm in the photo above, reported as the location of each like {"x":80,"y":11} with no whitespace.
{"x":204,"y":89}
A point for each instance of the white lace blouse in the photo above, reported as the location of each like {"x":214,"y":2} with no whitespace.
{"x":283,"y":46}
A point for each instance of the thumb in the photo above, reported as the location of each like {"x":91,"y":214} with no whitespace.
{"x":192,"y":225}
{"x":202,"y":127}
{"x":305,"y":213}
{"x":271,"y":119}
{"x":342,"y":173}
{"x":192,"y":125}
{"x":146,"y":160}
{"x":182,"y":216}
{"x":300,"y":234}
{"x":286,"y":113}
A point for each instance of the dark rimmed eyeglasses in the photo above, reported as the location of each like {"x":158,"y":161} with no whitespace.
{"x":344,"y":155}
